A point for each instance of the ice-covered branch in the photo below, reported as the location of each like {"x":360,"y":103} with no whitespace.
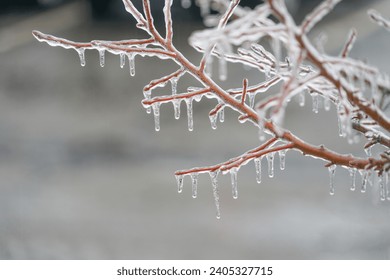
{"x":357,"y":90}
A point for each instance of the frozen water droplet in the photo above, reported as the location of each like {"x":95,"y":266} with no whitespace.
{"x":327,"y":104}
{"x":213,"y":121}
{"x":101,"y":57}
{"x":222,"y":114}
{"x":214,"y":182}
{"x":251,"y":96}
{"x":302,"y":99}
{"x":156,"y":113}
{"x":368,"y":151}
{"x":382,"y":190}
{"x":180,"y":183}
{"x":81,"y":53}
{"x":332,"y":171}
{"x":258,"y":169}
{"x":186,"y":4}
{"x":190,"y":114}
{"x":270,"y":161}
{"x":314,"y":96}
{"x":222,"y":69}
{"x":282,"y":158}
{"x":176,"y":107}
{"x":233,"y":175}
{"x":194,"y":180}
{"x":122,"y":58}
{"x":131,"y":57}
{"x":352,"y":175}
{"x":364,"y":175}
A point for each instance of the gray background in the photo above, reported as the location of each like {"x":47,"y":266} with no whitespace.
{"x":83,"y":174}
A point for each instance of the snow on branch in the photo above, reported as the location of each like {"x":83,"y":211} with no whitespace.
{"x":291,"y":63}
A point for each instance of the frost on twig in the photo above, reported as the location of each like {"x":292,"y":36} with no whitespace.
{"x":298,"y":67}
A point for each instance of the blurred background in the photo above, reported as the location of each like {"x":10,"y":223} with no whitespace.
{"x":83,"y":174}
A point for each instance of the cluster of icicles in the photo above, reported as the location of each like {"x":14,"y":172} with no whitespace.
{"x":233,"y":174}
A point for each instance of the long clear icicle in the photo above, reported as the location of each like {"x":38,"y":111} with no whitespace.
{"x":382,"y":189}
{"x":258,"y":169}
{"x":156,"y":113}
{"x":352,"y":175}
{"x":270,"y":161}
{"x":131,"y":57}
{"x":122,"y":59}
{"x":315,"y":98}
{"x":233,"y":175}
{"x":332,"y":172}
{"x":176,"y":102}
{"x":180,"y":183}
{"x":190,"y":114}
{"x":102,"y":57}
{"x":222,"y":114}
{"x":81,"y":53}
{"x":327,"y":104}
{"x":364,"y":175}
{"x":214,"y":182}
{"x":282,"y":158}
{"x":194,"y":181}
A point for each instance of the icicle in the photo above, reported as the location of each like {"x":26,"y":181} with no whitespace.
{"x":180,"y":182}
{"x":222,"y":114}
{"x":233,"y":175}
{"x":222,"y":69}
{"x":156,"y":113}
{"x":186,"y":4}
{"x":340,"y":121}
{"x":282,"y":158}
{"x":267,"y":72}
{"x":190,"y":114}
{"x":327,"y":104}
{"x":258,"y":169}
{"x":213,"y":121}
{"x":251,"y":96}
{"x":382,"y":190}
{"x":332,"y":171}
{"x":368,"y":151}
{"x":214,"y":182}
{"x":364,"y":175}
{"x":174,"y":86}
{"x":352,"y":175}
{"x":270,"y":160}
{"x":102,"y":57}
{"x":176,"y":107}
{"x":122,"y":58}
{"x":194,"y":180}
{"x":314,"y":96}
{"x":81,"y":53}
{"x":301,"y":99}
{"x":148,"y":95}
{"x":132,"y":64}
